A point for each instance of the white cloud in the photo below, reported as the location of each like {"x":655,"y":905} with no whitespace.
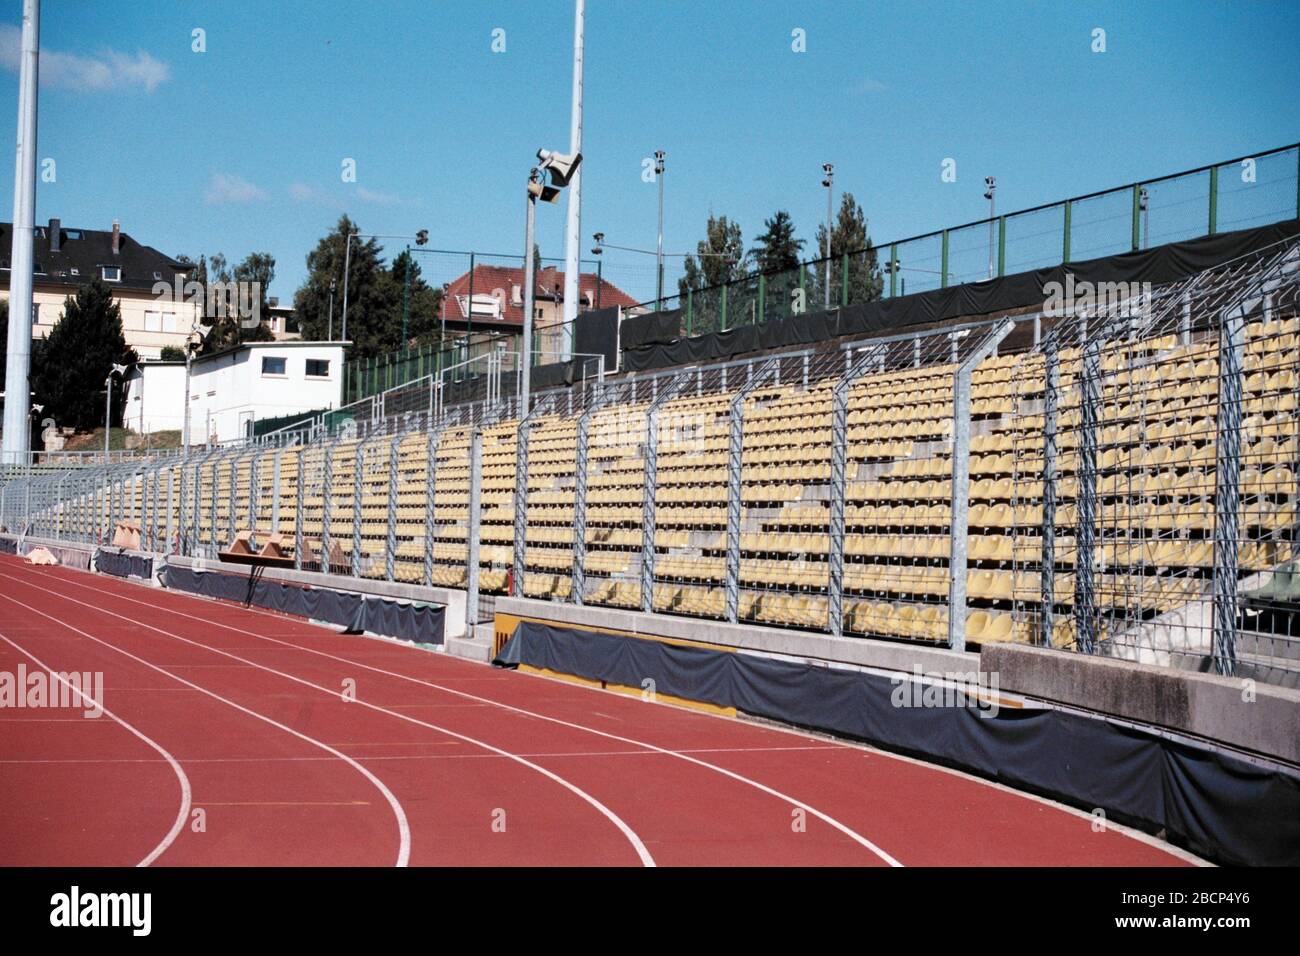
{"x":301,"y":192}
{"x":110,"y":70}
{"x":224,"y":188}
{"x":866,"y":86}
{"x":383,"y":199}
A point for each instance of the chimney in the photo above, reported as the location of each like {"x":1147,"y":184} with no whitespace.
{"x":56,"y":235}
{"x":117,"y":237}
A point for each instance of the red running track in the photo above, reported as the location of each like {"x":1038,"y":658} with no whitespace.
{"x":234,"y":736}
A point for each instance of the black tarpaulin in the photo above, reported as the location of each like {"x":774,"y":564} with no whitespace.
{"x":123,"y":565}
{"x":1215,"y":804}
{"x":655,"y":340}
{"x":409,"y":621}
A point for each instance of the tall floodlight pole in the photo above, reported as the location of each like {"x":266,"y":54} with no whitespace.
{"x":829,"y":183}
{"x":530,"y":280}
{"x":17,"y":420}
{"x":573,"y":224}
{"x":562,"y":171}
{"x":990,"y":194}
{"x":659,"y":248}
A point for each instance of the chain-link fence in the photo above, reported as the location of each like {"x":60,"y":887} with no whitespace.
{"x":1116,"y":474}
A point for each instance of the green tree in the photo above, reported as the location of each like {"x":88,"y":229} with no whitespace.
{"x":374,"y":299}
{"x":171,"y":353}
{"x":228,"y":325}
{"x":777,"y":248}
{"x":721,"y":257}
{"x":849,"y":236}
{"x":70,"y":365}
{"x":424,"y":304}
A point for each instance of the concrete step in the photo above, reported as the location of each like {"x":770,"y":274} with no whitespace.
{"x":475,"y":648}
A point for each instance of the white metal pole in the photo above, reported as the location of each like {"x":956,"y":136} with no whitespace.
{"x":573,"y":224}
{"x":108,"y":411}
{"x":17,"y":414}
{"x":530,"y":281}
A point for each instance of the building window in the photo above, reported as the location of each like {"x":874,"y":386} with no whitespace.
{"x":318,"y":368}
{"x":272,"y":366}
{"x":36,"y":313}
{"x":111,"y":273}
{"x":169,"y":321}
{"x":153,"y":321}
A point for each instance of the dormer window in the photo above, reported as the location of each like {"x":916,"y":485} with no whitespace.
{"x":111,"y":273}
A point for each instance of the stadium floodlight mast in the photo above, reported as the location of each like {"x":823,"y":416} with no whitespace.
{"x":118,"y":370}
{"x":560,"y":168}
{"x":17,"y":422}
{"x":659,"y":281}
{"x":421,"y":237}
{"x":829,"y":182}
{"x":990,"y":193}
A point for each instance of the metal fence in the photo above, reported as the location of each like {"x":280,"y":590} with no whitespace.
{"x":1238,"y":194}
{"x":1123,"y":483}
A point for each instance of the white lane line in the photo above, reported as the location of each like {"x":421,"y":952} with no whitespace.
{"x":642,"y":852}
{"x":403,"y":828}
{"x":681,"y":755}
{"x":186,"y":794}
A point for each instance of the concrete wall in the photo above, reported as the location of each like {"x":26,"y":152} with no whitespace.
{"x":155,"y":397}
{"x":1258,"y":717}
{"x":750,"y":637}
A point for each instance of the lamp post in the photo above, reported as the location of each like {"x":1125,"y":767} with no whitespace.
{"x":560,"y":168}
{"x":659,"y":247}
{"x":108,"y":402}
{"x":829,"y":182}
{"x":331,"y":332}
{"x":1144,"y":206}
{"x":990,"y":194}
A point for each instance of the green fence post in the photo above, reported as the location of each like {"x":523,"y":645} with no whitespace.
{"x":1137,"y":216}
{"x":943,"y":269}
{"x":1065,"y":242}
{"x":762,"y":298}
{"x":893,"y":269}
{"x":1002,"y":246}
{"x":690,"y":301}
{"x":722,"y":324}
{"x":844,"y":279}
{"x":1214,"y":199}
{"x":803,"y":284}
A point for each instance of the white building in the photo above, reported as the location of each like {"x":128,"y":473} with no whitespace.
{"x":232,"y":388}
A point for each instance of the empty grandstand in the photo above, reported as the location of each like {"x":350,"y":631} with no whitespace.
{"x":1120,"y":480}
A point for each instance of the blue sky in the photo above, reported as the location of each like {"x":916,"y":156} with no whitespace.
{"x":239,"y":149}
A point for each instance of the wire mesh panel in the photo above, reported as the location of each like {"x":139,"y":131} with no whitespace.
{"x":920,"y":265}
{"x":1154,"y":442}
{"x":450,"y":552}
{"x":1101,"y":225}
{"x":1256,"y":192}
{"x":548,"y":544}
{"x":1172,"y":210}
{"x":1034,"y":240}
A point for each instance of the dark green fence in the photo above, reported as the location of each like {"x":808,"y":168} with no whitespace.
{"x":1241,"y":193}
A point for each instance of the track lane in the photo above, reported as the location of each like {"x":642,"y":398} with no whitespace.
{"x":965,"y":820}
{"x":457,"y":814}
